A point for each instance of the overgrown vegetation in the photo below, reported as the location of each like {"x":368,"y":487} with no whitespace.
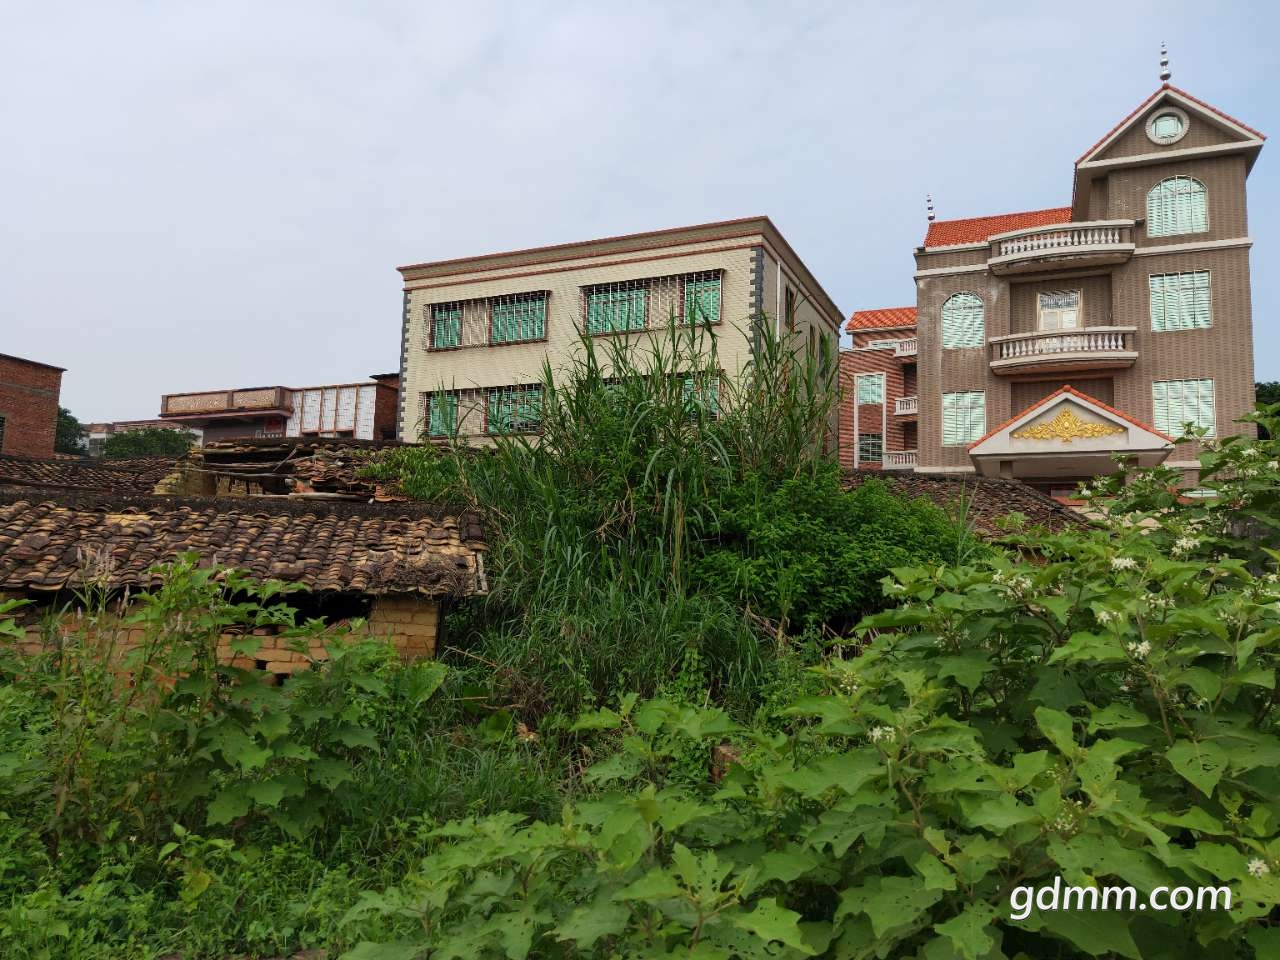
{"x":569,"y":781}
{"x":147,"y":442}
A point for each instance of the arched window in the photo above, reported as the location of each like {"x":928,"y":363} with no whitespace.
{"x":1177,"y":205}
{"x":962,"y":321}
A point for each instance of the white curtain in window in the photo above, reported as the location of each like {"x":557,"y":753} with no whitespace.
{"x":963,"y":322}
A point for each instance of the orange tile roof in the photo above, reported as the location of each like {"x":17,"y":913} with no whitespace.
{"x":1080,"y":394}
{"x":945,"y":233}
{"x":881,"y":319}
{"x":1147,"y":102}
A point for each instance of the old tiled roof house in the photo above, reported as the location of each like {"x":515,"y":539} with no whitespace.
{"x":1136,"y":296}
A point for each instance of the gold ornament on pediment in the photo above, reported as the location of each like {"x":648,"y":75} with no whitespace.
{"x":1066,"y":427}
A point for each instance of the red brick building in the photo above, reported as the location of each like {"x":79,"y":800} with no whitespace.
{"x":28,"y":406}
{"x":879,"y":410}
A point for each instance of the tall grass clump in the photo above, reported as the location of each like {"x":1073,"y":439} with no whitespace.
{"x":650,"y":531}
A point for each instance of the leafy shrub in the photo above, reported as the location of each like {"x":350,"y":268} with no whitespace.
{"x":1101,"y":714}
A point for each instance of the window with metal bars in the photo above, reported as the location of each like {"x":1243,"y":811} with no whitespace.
{"x":964,"y":417}
{"x":1177,"y":205}
{"x":702,"y":298}
{"x":1176,"y":403}
{"x":870,"y":388}
{"x":617,"y":308}
{"x":1180,"y":301}
{"x":701,"y":391}
{"x":514,"y":409}
{"x":518,"y":317}
{"x":963,"y":322}
{"x":1060,"y":310}
{"x":441,"y":413}
{"x":446,"y":326}
{"x":870,"y":447}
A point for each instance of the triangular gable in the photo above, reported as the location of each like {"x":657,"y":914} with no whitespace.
{"x":1194,"y":107}
{"x":1069,"y":421}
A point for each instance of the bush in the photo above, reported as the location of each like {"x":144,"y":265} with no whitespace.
{"x":1100,"y":715}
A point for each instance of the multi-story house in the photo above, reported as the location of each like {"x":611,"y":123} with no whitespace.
{"x":1046,"y":342}
{"x":29,"y":393}
{"x":477,"y":332}
{"x":361,"y":411}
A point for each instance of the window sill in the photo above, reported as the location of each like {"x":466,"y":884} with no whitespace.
{"x":516,"y":343}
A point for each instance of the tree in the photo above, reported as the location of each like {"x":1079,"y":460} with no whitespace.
{"x":1266,"y":391}
{"x":69,"y":437}
{"x":148,"y":442}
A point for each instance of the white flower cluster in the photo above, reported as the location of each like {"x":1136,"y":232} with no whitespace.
{"x":1124,"y":563}
{"x":1067,"y":822}
{"x":1139,"y":651}
{"x":1258,"y":868}
{"x":1016,"y":583}
{"x":848,"y":683}
{"x":876,"y":734}
{"x":1184,"y":545}
{"x":1106,"y":616}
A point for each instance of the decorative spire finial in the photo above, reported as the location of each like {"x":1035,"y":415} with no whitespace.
{"x":929,"y":203}
{"x":1165,"y":72}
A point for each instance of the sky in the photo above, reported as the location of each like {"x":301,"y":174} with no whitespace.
{"x":209,"y":195}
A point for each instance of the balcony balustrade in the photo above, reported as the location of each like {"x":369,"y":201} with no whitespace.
{"x":1091,"y":348}
{"x":906,"y":406}
{"x":899,"y":459}
{"x":1070,"y":245}
{"x":907,"y":348}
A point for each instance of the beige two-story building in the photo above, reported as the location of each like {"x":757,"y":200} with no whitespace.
{"x":478,"y":331}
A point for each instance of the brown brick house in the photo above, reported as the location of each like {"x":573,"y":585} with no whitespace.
{"x":1136,"y":295}
{"x":28,"y":406}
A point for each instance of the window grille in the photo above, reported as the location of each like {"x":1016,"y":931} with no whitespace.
{"x":1060,"y":310}
{"x":964,"y":417}
{"x":963,"y":322}
{"x":1180,"y":301}
{"x":633,"y":305}
{"x":1179,"y":402}
{"x":701,"y":391}
{"x":441,"y":413}
{"x":702,"y":298}
{"x":446,"y":326}
{"x":870,"y":447}
{"x":514,"y":409}
{"x":1177,"y":205}
{"x":518,"y":317}
{"x":870,"y":388}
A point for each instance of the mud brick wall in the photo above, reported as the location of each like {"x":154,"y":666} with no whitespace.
{"x":411,"y":623}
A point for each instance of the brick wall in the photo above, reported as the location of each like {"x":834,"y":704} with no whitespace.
{"x":899,"y":431}
{"x":29,"y":405}
{"x":409,"y":624}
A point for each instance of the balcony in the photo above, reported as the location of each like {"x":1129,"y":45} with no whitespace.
{"x":1095,"y":243}
{"x":906,"y":348}
{"x":899,"y":460}
{"x":906,"y":406}
{"x":1093,"y":348}
{"x":255,"y":401}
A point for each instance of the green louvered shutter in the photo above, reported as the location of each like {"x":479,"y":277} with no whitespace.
{"x":1177,"y":205}
{"x":613,"y":310}
{"x":446,"y":325}
{"x":701,"y":390}
{"x":442,"y":414}
{"x":519,"y":318}
{"x":702,"y":299}
{"x":1180,"y":301}
{"x":871,"y":388}
{"x":1176,"y":403}
{"x":514,"y":409}
{"x":964,"y":417}
{"x":963,"y":322}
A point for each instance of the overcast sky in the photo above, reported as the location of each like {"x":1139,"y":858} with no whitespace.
{"x":217,"y":194}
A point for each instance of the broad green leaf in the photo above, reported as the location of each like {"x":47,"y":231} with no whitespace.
{"x":268,"y":793}
{"x":968,"y":669}
{"x":230,"y":803}
{"x":888,"y":902}
{"x":398,"y":950}
{"x":970,"y":932}
{"x":937,"y":875}
{"x":771,"y":921}
{"x":586,"y":925}
{"x":1058,"y":727}
{"x":1202,"y":764}
{"x":1099,"y":934}
{"x":657,"y":884}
